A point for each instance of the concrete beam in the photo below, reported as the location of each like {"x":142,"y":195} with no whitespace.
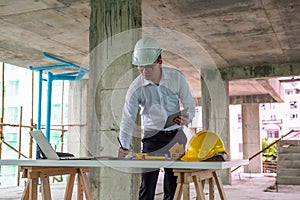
{"x":260,"y":71}
{"x":274,"y":88}
{"x":262,"y":98}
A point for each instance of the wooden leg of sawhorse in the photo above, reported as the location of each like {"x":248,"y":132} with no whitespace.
{"x":84,"y":184}
{"x":182,"y":188}
{"x":178,"y":192}
{"x":33,"y":173}
{"x":80,"y":189}
{"x":30,"y":191}
{"x":219,"y":185}
{"x":210,"y":175}
{"x":211,"y":189}
{"x":198,"y":177}
{"x":199,"y":186}
{"x":69,"y":187}
{"x":184,"y":179}
{"x":45,"y":185}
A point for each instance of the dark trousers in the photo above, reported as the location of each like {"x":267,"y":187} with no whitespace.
{"x":159,"y":144}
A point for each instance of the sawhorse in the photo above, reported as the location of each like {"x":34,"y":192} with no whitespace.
{"x":198,"y":177}
{"x":43,"y":173}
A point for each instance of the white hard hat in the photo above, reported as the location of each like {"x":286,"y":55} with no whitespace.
{"x":146,"y":52}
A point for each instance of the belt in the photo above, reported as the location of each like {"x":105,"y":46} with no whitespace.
{"x":170,"y":131}
{"x":154,"y":132}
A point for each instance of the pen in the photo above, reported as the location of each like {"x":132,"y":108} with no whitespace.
{"x":120,"y":143}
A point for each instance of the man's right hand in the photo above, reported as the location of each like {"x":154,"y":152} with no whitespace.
{"x":122,"y":153}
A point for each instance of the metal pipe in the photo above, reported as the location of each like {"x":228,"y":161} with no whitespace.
{"x":17,"y":125}
{"x":39,"y":119}
{"x":63,"y":61}
{"x":40,"y":100}
{"x":65,"y":65}
{"x":71,"y":76}
{"x":62,"y":116}
{"x":68,"y":78}
{"x":49,"y":98}
{"x":20,"y":131}
{"x":13,"y":148}
{"x":2,"y":111}
{"x":20,"y":143}
{"x":32,"y":111}
{"x":266,"y":148}
{"x":48,"y":67}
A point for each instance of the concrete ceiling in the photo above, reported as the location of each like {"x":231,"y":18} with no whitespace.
{"x":229,"y":33}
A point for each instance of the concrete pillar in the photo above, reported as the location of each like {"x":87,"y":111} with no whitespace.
{"x":251,"y":137}
{"x":215,"y":109}
{"x":112,"y":38}
{"x":77,"y":106}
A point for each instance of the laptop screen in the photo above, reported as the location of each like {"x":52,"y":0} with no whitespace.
{"x":44,"y":144}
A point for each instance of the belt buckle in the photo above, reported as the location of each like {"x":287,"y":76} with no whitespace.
{"x":171,"y":131}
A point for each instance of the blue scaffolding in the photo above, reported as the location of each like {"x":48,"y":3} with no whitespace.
{"x":70,"y":76}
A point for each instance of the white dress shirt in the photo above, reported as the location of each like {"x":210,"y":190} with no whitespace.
{"x":157,"y":102}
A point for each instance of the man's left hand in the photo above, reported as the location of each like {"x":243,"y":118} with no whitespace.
{"x":182,"y":120}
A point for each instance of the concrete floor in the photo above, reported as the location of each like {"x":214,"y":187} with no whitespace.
{"x":244,"y":187}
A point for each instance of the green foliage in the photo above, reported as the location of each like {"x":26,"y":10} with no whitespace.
{"x":270,"y":153}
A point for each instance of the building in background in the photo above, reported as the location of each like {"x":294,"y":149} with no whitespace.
{"x":20,"y":108}
{"x":277,"y":119}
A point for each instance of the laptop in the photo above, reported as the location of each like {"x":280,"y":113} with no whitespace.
{"x":48,"y":150}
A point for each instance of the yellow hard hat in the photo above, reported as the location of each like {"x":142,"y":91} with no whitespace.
{"x":202,"y":146}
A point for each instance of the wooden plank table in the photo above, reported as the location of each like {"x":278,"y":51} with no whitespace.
{"x":125,"y":163}
{"x":187,"y":172}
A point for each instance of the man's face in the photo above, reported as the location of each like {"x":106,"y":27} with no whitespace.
{"x":150,"y":72}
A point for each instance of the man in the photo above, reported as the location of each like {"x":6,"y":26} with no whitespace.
{"x":158,"y":92}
